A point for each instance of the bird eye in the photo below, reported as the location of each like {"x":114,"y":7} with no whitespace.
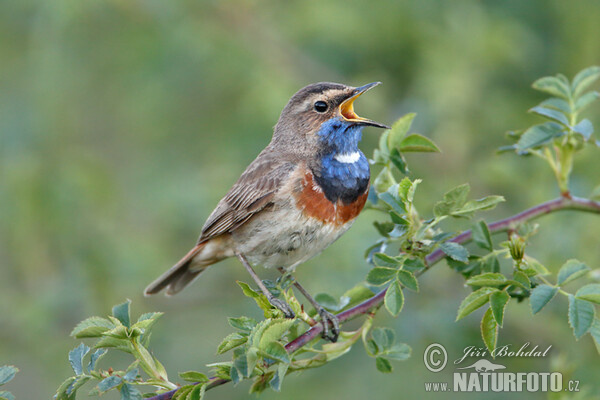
{"x":320,"y":106}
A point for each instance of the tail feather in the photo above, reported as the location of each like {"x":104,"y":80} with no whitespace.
{"x":178,"y":276}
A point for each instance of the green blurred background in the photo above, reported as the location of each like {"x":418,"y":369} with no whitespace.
{"x":122,"y":123}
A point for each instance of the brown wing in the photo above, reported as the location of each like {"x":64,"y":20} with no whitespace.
{"x":250,"y":194}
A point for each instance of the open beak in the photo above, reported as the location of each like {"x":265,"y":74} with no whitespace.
{"x":347,"y":108}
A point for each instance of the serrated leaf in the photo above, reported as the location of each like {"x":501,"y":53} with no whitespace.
{"x":522,"y":279}
{"x":278,"y":376}
{"x":61,"y":392}
{"x":110,"y":342}
{"x":121,"y":312}
{"x":584,"y":128}
{"x":417,"y":143}
{"x":276,"y":351}
{"x":392,"y":199}
{"x":582,"y":102}
{"x":474,"y":300}
{"x":260,"y":299}
{"x":193,"y":376}
{"x":486,"y":203}
{"x":242,"y":323}
{"x":399,"y":161}
{"x":481,"y":235}
{"x":498,"y":302}
{"x":557,"y":104}
{"x":92,"y":327}
{"x":94,"y":358}
{"x":146,"y":320}
{"x":197,"y":393}
{"x":455,"y":251}
{"x":399,"y":352}
{"x":327,"y":301}
{"x":384,"y":338}
{"x":130,"y":392}
{"x":452,"y":200}
{"x":590,"y":292}
{"x":540,"y":296}
{"x":383,"y":260}
{"x":274,"y":332}
{"x":581,"y":316}
{"x":131,"y":375}
{"x":76,"y":358}
{"x":595,"y":333}
{"x":491,"y":264}
{"x":7,"y":373}
{"x":584,"y":79}
{"x":552,"y":85}
{"x":551,"y":114}
{"x":487,"y":279}
{"x":538,"y":135}
{"x":383,"y":365}
{"x":109,"y":383}
{"x":570,"y":271}
{"x":399,"y":130}
{"x":408,"y":280}
{"x":231,"y":341}
{"x":380,"y":275}
{"x":357,"y":294}
{"x":394,"y":299}
{"x":535,"y":266}
{"x":489,"y":330}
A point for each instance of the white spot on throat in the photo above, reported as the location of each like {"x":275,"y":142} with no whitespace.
{"x":347,"y":158}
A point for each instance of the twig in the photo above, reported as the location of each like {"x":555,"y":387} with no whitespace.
{"x":562,"y":203}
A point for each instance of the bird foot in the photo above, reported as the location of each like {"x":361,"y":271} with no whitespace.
{"x":328,"y":318}
{"x":282,"y":306}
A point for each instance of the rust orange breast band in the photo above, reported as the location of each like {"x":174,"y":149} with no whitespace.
{"x":312,"y":201}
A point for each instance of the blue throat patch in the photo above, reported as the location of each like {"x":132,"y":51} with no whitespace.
{"x":344,"y":181}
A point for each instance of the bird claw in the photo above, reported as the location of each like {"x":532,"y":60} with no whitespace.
{"x":326,"y":319}
{"x":283,"y":307}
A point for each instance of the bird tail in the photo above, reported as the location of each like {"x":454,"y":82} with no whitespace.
{"x":181,"y":274}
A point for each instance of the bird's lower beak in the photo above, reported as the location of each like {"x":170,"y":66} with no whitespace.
{"x":347,"y":108}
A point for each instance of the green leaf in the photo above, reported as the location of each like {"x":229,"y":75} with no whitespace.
{"x":474,"y":300}
{"x":557,"y":104}
{"x":399,"y":130}
{"x":7,"y":373}
{"x":92,"y":327}
{"x":131,"y":375}
{"x":261,"y":299}
{"x":327,"y":301}
{"x":590,"y":292}
{"x":408,"y":280}
{"x":276,"y":351}
{"x":384,"y":338}
{"x":498,"y":302}
{"x":394,"y":299}
{"x":399,"y":161}
{"x":489,"y":330}
{"x":486,"y":203}
{"x":383,"y":365}
{"x":487,"y":279}
{"x":383,"y":260}
{"x":552,"y":85}
{"x":146,"y":320}
{"x":109,"y":383}
{"x":481,"y":235}
{"x":399,"y":352}
{"x":585,"y":100}
{"x":392,"y":198}
{"x":584,"y":79}
{"x":551,"y":114}
{"x":522,"y":279}
{"x":274,"y":332}
{"x":490,"y":264}
{"x":197,"y":393}
{"x":193,"y":376}
{"x":539,"y":135}
{"x":540,"y":296}
{"x":121,"y":312}
{"x":417,"y":143}
{"x":534,"y":267}
{"x":61,"y":392}
{"x":76,"y":358}
{"x":129,"y":392}
{"x":581,"y":316}
{"x":595,"y":332}
{"x":453,"y":200}
{"x":277,"y":379}
{"x":455,"y":251}
{"x":571,"y":270}
{"x":584,"y":128}
{"x":242,"y":323}
{"x":380,"y":275}
{"x":231,"y":341}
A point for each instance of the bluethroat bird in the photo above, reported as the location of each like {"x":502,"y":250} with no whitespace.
{"x":299,"y":195}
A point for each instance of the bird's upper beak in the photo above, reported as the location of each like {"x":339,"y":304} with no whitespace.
{"x":347,"y":107}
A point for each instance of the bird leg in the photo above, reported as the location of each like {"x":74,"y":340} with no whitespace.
{"x":327,"y":318}
{"x":275,"y":302}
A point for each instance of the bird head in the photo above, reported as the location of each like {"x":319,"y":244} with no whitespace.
{"x":321,"y":112}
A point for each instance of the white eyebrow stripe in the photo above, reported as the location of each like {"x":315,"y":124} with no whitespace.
{"x":347,"y":158}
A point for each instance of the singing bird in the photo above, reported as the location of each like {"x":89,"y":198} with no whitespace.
{"x":301,"y":193}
